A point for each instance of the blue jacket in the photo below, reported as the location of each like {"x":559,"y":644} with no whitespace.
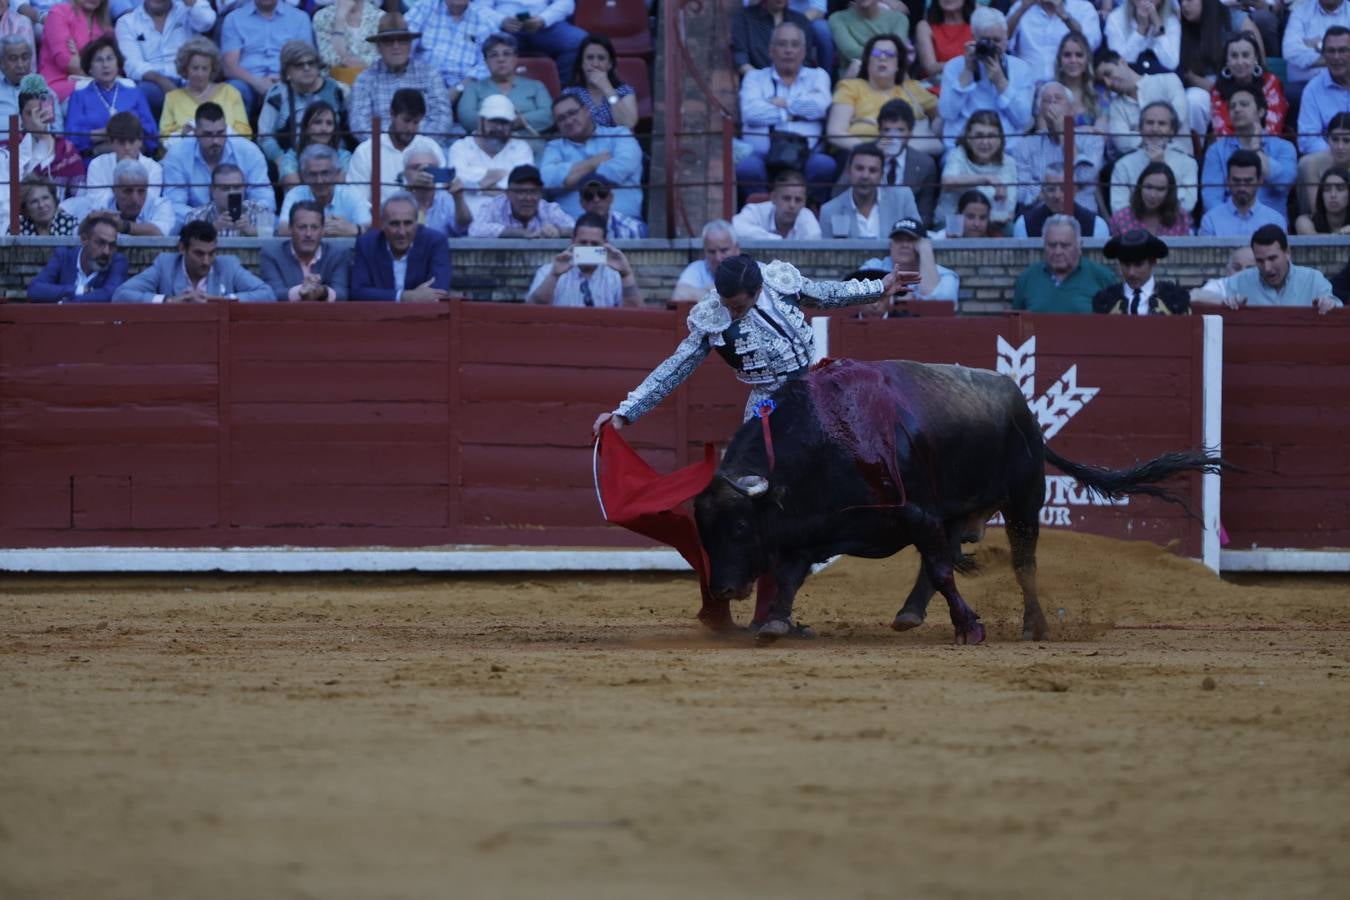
{"x":86,"y":111}
{"x":56,"y":282}
{"x":166,"y":278}
{"x":373,"y":265}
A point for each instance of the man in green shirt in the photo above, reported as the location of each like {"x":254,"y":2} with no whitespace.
{"x":1064,"y":282}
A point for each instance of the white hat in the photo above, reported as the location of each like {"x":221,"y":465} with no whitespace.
{"x":497,"y":106}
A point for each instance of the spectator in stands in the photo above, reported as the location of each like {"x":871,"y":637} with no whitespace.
{"x":12,"y":22}
{"x":858,"y":101}
{"x":452,"y":33}
{"x":407,"y":116}
{"x":1326,"y":98}
{"x":719,"y":243}
{"x":1146,"y":34}
{"x":40,"y":151}
{"x":565,"y":282}
{"x":342,"y":31}
{"x":68,"y":28}
{"x":1275,"y":280}
{"x":1140,"y":293}
{"x":598,"y":199}
{"x":912,"y":251}
{"x":306,"y":267}
{"x":863,"y":209}
{"x":979,"y":162}
{"x":251,"y":40}
{"x":89,"y":273}
{"x":124,"y":137}
{"x":1063,"y":282}
{"x":398,"y":70}
{"x":227,"y":182}
{"x":1130,"y":94}
{"x":16,"y":61}
{"x":1340,"y":285}
{"x":534,"y":107}
{"x":1038,"y":28}
{"x":1305,"y":40}
{"x":914,"y":170}
{"x":198,"y":64}
{"x":971,"y":220}
{"x":303,"y":83}
{"x":1213,"y":292}
{"x":319,"y":125}
{"x":1205,"y":25}
{"x":785,"y":98}
{"x":346,"y":211}
{"x":39,"y":212}
{"x":942,"y":35}
{"x":1004,"y":83}
{"x":440,"y":204}
{"x":150,"y":37}
{"x":852,"y":28}
{"x":1336,"y":153}
{"x":107,"y":93}
{"x":816,"y":12}
{"x":752,"y":31}
{"x":1153,"y":205}
{"x":189,"y":163}
{"x":783,"y":216}
{"x":1241,"y":213}
{"x":194,"y":274}
{"x":596,"y":83}
{"x":541,"y":26}
{"x":1279,"y":160}
{"x":401,"y":261}
{"x":1050,"y":202}
{"x":1073,"y":69}
{"x":483,"y":160}
{"x":590,"y":152}
{"x":1244,"y":67}
{"x":1157,"y":126}
{"x":1330,"y":214}
{"x":138,"y":213}
{"x":522,"y":212}
{"x":1044,"y":145}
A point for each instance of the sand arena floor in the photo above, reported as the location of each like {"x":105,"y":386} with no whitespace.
{"x":373,"y":737}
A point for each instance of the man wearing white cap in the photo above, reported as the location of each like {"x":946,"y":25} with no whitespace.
{"x":482,"y":161}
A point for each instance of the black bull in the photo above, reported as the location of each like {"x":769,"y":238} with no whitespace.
{"x":870,"y":458}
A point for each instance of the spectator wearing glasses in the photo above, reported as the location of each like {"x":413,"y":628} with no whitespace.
{"x":251,"y":41}
{"x":452,"y":33}
{"x":522,"y":212}
{"x":598,"y":199}
{"x":228,"y":180}
{"x":189,"y":163}
{"x":108,"y":93}
{"x":346,"y":211}
{"x":1325,"y":100}
{"x":590,"y":152}
{"x":440,"y":204}
{"x":979,"y":162}
{"x":483,"y":160}
{"x":1241,"y":213}
{"x":303,"y":83}
{"x":150,"y":36}
{"x":1305,"y":39}
{"x":541,"y":26}
{"x":397,"y":70}
{"x":1279,"y":159}
{"x":853,"y":27}
{"x":533,"y":105}
{"x":565,"y":282}
{"x":853,"y":117}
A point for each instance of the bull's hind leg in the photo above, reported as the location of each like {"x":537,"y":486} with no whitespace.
{"x":1024,"y":529}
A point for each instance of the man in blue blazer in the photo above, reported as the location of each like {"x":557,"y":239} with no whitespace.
{"x":403,"y":261}
{"x":195,"y":274}
{"x":89,"y":273}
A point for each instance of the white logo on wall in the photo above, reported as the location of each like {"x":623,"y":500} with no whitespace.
{"x":1061,"y":402}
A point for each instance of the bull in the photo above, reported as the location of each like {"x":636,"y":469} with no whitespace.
{"x":867,"y":458}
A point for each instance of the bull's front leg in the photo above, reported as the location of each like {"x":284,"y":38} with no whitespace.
{"x":784,"y":579}
{"x":940,"y":548}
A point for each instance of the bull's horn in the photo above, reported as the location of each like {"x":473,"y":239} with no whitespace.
{"x":750,"y":485}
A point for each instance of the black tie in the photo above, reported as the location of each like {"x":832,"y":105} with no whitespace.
{"x":890,"y":172}
{"x":586,"y":297}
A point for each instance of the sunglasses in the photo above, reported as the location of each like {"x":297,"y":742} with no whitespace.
{"x":595,"y":193}
{"x":879,"y":53}
{"x":307,"y":64}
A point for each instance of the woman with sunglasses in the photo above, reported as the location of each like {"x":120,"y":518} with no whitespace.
{"x":858,"y":101}
{"x":303,"y":83}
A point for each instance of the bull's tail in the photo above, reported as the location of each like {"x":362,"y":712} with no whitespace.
{"x":1115,"y":484}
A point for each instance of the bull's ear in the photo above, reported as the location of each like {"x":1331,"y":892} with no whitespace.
{"x":750,"y":485}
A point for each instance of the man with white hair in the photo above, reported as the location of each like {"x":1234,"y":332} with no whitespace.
{"x":440,"y":204}
{"x":482,"y":161}
{"x":1045,"y":147}
{"x":138,"y":213}
{"x":1063,"y":282}
{"x":986,"y":77}
{"x":402,"y":261}
{"x":1050,"y":202}
{"x":1037,"y":27}
{"x":719,"y":242}
{"x":346,"y":212}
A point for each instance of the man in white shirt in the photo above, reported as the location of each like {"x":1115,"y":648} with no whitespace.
{"x":719,"y":242}
{"x":571,"y":281}
{"x":1037,"y":27}
{"x":149,"y":37}
{"x":483,"y":161}
{"x":1303,"y":35}
{"x":126,"y":134}
{"x":138,"y":214}
{"x":406,"y":112}
{"x":1158,"y":123}
{"x":1130,"y":93}
{"x":783,"y":216}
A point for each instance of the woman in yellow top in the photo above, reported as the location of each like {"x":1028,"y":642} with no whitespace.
{"x":198,"y":63}
{"x":857,"y":101}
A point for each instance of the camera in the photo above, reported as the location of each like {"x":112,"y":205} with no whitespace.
{"x":986,"y":48}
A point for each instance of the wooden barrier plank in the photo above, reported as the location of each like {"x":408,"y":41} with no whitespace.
{"x":43,"y":503}
{"x":550,"y":343}
{"x":190,"y":506}
{"x":520,"y":507}
{"x":356,"y":505}
{"x":147,"y":462}
{"x":497,"y":382}
{"x":336,"y":462}
{"x":410,"y":340}
{"x":505,"y":465}
{"x":336,"y":381}
{"x":115,"y":423}
{"x":140,"y":343}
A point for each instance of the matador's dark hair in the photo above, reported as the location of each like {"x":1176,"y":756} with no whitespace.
{"x":736,"y":274}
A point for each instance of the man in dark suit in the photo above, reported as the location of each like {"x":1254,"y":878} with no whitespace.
{"x":88,"y":273}
{"x":912,"y":168}
{"x":403,"y":261}
{"x":1137,"y":251}
{"x":306,"y":267}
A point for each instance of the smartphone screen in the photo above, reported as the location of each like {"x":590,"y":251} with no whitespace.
{"x":236,"y":206}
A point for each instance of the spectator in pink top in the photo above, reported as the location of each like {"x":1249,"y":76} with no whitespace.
{"x":70,"y":27}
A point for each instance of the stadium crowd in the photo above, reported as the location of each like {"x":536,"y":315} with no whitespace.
{"x":888,"y":120}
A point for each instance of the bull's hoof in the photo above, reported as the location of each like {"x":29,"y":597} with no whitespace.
{"x":972,"y":635}
{"x":904,"y":621}
{"x":770,"y":631}
{"x":1036,"y":630}
{"x":718,"y":624}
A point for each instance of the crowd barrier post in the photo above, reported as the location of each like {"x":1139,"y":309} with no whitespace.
{"x":375,"y":154}
{"x":1068,"y":165}
{"x":13,"y":144}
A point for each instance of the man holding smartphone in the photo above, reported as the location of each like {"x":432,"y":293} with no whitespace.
{"x":230,"y":211}
{"x":591,"y":272}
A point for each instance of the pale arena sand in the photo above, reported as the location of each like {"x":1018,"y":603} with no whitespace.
{"x":565,"y":736}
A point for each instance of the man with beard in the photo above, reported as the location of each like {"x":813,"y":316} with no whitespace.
{"x":89,"y":273}
{"x":482,"y":161}
{"x":190,"y":161}
{"x":1241,"y":214}
{"x":194,"y":274}
{"x":306,"y":267}
{"x":407,"y":112}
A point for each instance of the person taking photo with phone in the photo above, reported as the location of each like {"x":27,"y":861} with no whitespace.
{"x":591,"y":272}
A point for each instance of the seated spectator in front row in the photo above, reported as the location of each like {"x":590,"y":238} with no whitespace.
{"x":719,"y":242}
{"x":402,"y":262}
{"x":905,"y":165}
{"x":1154,"y":205}
{"x":1330,"y":214}
{"x":136,"y":212}
{"x":1157,"y":129}
{"x":589,"y":152}
{"x":407,"y":113}
{"x":522,"y":212}
{"x":1279,"y":160}
{"x":227,"y":189}
{"x":440,"y":205}
{"x":1274,"y":280}
{"x":1240,"y":214}
{"x":1050,"y":202}
{"x":863,"y":210}
{"x":345,"y":212}
{"x":1063,"y":282}
{"x":912,"y":251}
{"x":596,"y":197}
{"x":565,"y":282}
{"x":1140,"y":294}
{"x":124,"y":135}
{"x":783,"y":216}
{"x":1213,"y":292}
{"x":89,"y":273}
{"x":306,"y":267}
{"x":195,"y":274}
{"x":483,"y":160}
{"x":189,"y":163}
